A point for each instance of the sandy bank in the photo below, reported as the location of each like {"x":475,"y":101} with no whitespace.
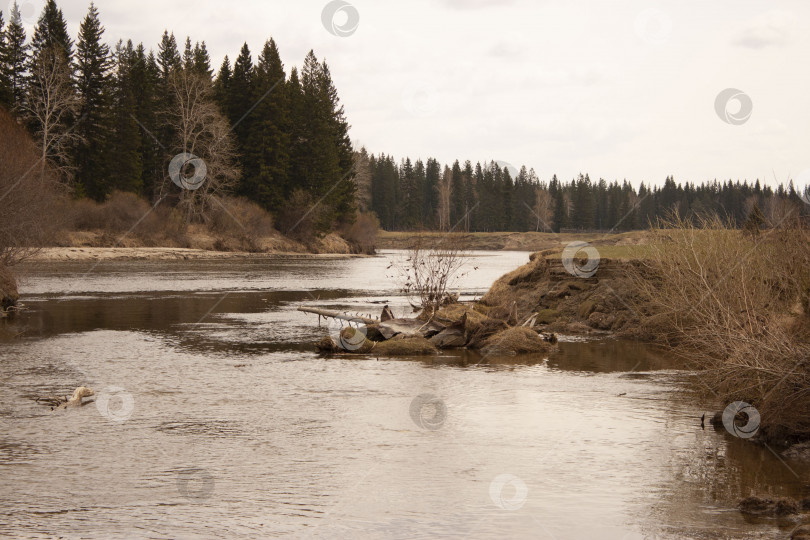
{"x":158,"y":254}
{"x":99,"y":245}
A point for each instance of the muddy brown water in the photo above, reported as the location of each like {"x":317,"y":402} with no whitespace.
{"x":215,"y":417}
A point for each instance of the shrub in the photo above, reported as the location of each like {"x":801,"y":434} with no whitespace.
{"x":29,"y":192}
{"x":431,"y":267}
{"x":240,"y":219}
{"x":727,"y":303}
{"x":362,"y":234}
{"x":118,"y":214}
{"x":302,"y":216}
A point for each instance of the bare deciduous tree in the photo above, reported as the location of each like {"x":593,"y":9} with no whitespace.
{"x":362,"y":180}
{"x":201,"y":131}
{"x":52,"y":105}
{"x":543,"y":210}
{"x":445,"y":192}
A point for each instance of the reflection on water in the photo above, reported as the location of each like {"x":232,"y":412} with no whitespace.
{"x":215,"y":417}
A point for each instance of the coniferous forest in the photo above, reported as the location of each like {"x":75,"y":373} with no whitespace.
{"x":112,"y":117}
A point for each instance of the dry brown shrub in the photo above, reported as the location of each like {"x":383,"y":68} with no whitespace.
{"x":727,"y":303}
{"x":430,"y":269}
{"x":240,"y":220}
{"x":29,"y":191}
{"x":124,"y":217}
{"x":362,"y":234}
{"x":118,"y":214}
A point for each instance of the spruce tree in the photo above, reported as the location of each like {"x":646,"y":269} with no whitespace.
{"x":188,"y":55}
{"x":51,"y":34}
{"x":222,"y":85}
{"x":317,"y":145}
{"x":167,"y":62}
{"x":296,"y":168}
{"x":265,"y":182}
{"x":457,"y":200}
{"x":168,"y":58}
{"x":15,"y":59}
{"x":145,"y":84}
{"x":5,"y":85}
{"x":344,"y":190}
{"x":240,"y":94}
{"x":202,"y":61}
{"x":92,"y":68}
{"x":126,"y":144}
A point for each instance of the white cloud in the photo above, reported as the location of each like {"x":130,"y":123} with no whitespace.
{"x":476,"y":4}
{"x":769,"y":30}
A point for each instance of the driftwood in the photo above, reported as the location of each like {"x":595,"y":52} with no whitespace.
{"x":410,"y":328}
{"x":338,"y":315}
{"x":442,"y":332}
{"x":450,"y":338}
{"x":58,"y":402}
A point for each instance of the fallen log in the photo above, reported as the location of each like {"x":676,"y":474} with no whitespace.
{"x":338,"y":315}
{"x":410,"y":328}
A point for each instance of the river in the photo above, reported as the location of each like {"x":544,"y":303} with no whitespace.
{"x":215,"y":417}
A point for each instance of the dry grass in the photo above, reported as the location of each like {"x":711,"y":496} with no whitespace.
{"x":514,"y":241}
{"x":410,"y":346}
{"x":729,"y":304}
{"x":516,"y":340}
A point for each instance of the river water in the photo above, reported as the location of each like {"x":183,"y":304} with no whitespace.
{"x":214,"y":417}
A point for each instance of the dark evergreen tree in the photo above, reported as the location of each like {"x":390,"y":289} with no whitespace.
{"x":15,"y":59}
{"x":92,"y":68}
{"x":240,"y":97}
{"x":457,"y":199}
{"x":5,"y":84}
{"x":188,"y":55}
{"x":222,"y":85}
{"x":343,"y":195}
{"x":266,"y":158}
{"x":168,"y":58}
{"x":51,"y":34}
{"x":430,"y":193}
{"x":202,"y":61}
{"x":144,"y":74}
{"x":126,"y":164}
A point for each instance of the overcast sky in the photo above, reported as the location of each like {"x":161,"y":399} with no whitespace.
{"x":617,"y":89}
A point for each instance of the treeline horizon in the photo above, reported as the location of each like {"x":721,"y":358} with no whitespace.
{"x":109,"y":119}
{"x":485,"y":197}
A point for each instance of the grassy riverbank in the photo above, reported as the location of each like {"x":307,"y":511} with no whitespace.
{"x":511,"y":241}
{"x":733,"y":306}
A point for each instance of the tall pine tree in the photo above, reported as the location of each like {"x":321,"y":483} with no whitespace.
{"x":5,"y":85}
{"x":14,"y":61}
{"x":126,"y":143}
{"x":92,"y":68}
{"x":265,"y":181}
{"x":51,"y":34}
